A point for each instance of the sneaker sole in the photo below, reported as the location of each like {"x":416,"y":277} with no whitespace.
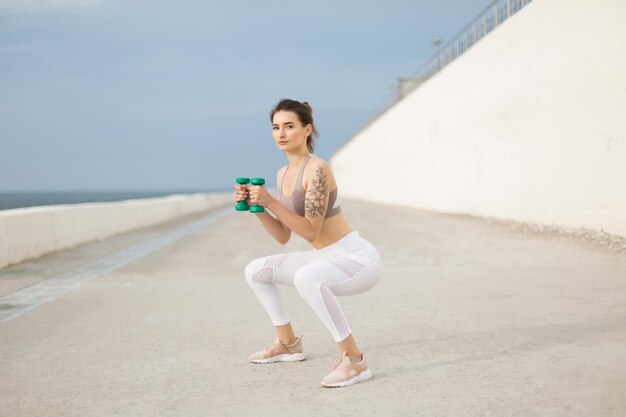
{"x":363,"y":376}
{"x":286,"y":357}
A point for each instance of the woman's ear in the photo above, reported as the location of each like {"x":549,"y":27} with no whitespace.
{"x":308,"y":129}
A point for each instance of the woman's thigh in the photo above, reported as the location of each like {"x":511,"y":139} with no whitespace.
{"x":283,"y":266}
{"x":345,"y":274}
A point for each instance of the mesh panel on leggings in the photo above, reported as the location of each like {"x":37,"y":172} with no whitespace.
{"x":266,"y":272}
{"x":349,"y":266}
{"x":274,"y":261}
{"x":334,"y":310}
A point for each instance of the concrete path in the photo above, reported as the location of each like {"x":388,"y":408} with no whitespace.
{"x":471,"y":318}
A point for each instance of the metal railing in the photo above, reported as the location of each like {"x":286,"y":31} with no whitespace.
{"x":486,"y":21}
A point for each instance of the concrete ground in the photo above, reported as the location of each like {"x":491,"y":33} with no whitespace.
{"x":471,"y":318}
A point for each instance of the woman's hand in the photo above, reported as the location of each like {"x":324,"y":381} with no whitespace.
{"x":259,"y":195}
{"x":241,"y":193}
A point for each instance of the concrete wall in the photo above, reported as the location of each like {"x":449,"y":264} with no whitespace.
{"x":528,"y":125}
{"x":31,"y":232}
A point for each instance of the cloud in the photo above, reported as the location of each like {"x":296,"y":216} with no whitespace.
{"x":43,"y":6}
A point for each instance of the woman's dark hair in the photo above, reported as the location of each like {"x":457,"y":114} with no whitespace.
{"x":305,"y":115}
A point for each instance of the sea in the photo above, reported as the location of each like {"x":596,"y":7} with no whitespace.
{"x":12,"y":200}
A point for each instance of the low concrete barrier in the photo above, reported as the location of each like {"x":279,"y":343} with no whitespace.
{"x":31,"y":232}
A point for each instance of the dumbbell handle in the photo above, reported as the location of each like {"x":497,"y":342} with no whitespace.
{"x":256,"y":208}
{"x":242,"y":205}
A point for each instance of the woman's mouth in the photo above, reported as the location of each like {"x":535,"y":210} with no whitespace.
{"x":282,"y":142}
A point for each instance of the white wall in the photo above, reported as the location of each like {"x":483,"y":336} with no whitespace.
{"x":528,"y":125}
{"x":31,"y":232}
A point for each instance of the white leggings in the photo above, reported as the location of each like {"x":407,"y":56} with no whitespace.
{"x":347,"y":267}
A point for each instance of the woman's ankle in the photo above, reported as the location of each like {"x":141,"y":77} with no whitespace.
{"x":285,"y":334}
{"x":288,"y":342}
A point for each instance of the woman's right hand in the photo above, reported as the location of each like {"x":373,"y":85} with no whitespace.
{"x":241,"y":193}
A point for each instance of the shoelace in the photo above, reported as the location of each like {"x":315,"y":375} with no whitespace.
{"x":271,"y":346}
{"x":336,"y":364}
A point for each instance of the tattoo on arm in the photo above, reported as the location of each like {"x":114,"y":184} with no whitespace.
{"x":316,"y":198}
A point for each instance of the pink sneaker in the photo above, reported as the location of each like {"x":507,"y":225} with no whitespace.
{"x":345,"y":372}
{"x":278,"y":352}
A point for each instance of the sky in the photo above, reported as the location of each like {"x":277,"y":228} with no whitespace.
{"x":162,"y":95}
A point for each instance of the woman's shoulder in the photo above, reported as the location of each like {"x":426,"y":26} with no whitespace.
{"x":317,"y":167}
{"x":281,"y":171}
{"x":316,"y":162}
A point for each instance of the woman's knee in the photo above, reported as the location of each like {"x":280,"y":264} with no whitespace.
{"x":306,"y":281}
{"x":253,"y":268}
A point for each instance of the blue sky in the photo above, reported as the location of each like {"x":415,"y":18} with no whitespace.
{"x":153,"y":95}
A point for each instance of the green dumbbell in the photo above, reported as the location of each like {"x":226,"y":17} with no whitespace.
{"x":242,"y":205}
{"x":256,"y":208}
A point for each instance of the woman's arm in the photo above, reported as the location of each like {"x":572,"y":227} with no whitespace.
{"x":273,"y":226}
{"x":315,"y":204}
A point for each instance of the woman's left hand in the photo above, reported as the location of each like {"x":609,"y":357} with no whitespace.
{"x":259,"y":195}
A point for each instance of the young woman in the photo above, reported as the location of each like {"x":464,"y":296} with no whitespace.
{"x":340,"y":263}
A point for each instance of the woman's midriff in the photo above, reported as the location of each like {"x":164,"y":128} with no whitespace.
{"x":333,"y":229}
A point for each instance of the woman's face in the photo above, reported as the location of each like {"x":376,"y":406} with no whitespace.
{"x":288,"y":132}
